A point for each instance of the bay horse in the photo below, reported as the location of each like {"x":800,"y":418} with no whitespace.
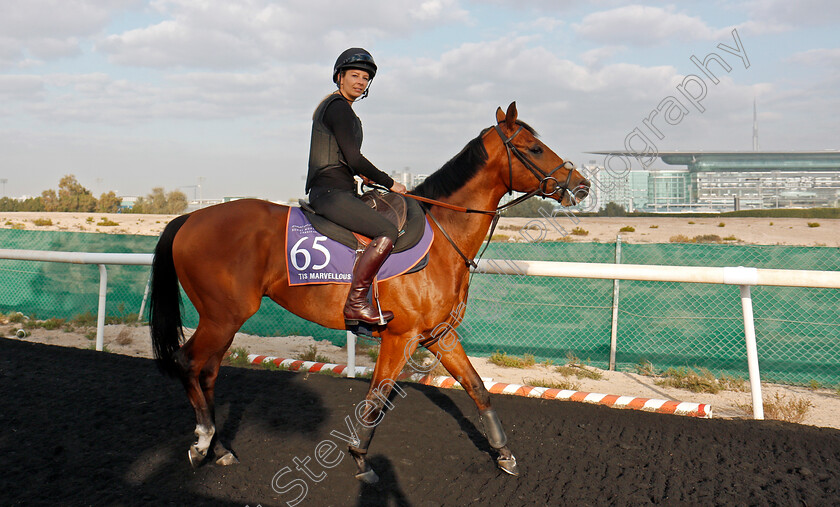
{"x":227,"y":257}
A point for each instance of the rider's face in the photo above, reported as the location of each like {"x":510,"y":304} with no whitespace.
{"x":354,"y":82}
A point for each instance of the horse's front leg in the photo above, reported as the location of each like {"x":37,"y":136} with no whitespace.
{"x":370,"y":411}
{"x":456,"y":362}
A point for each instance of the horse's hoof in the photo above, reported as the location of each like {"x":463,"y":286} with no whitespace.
{"x":508,"y":466}
{"x":368,"y":476}
{"x":195,"y":457}
{"x":227,"y":459}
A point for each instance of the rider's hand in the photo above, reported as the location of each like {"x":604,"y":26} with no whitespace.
{"x":398,"y":188}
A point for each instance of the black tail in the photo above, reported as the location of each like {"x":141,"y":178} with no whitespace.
{"x":165,"y":302}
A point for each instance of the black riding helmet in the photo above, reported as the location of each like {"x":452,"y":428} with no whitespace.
{"x":354,"y":58}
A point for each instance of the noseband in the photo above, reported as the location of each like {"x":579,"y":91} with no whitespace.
{"x":543,"y":178}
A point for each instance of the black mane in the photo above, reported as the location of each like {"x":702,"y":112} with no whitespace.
{"x":460,"y":169}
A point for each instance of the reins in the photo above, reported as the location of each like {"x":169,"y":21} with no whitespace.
{"x":542,"y":190}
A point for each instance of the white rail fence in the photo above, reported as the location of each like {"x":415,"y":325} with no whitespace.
{"x":744,"y":277}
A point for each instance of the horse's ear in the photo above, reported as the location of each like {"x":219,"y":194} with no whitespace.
{"x":510,"y":117}
{"x":500,"y":115}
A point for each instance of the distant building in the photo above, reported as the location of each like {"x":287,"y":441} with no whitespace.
{"x":406,"y":178}
{"x":716,"y":181}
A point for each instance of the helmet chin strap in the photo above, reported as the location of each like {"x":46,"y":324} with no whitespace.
{"x":362,"y":96}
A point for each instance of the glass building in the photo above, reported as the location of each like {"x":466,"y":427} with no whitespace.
{"x":723,"y":181}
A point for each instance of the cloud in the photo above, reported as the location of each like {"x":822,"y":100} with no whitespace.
{"x":802,"y":13}
{"x":222,"y":35}
{"x":643,"y":26}
{"x":51,"y":29}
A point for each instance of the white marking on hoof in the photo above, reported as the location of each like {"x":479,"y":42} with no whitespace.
{"x":368,"y":477}
{"x":508,"y":466}
{"x":195,"y":456}
{"x":227,"y":459}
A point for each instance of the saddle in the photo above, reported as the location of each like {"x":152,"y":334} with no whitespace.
{"x":406,"y":214}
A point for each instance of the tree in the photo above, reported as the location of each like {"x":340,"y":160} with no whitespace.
{"x":530,"y":208}
{"x":160,"y":202}
{"x":72,"y":196}
{"x":108,"y":203}
{"x":612,"y":210}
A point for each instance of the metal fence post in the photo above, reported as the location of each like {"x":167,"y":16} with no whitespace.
{"x":351,"y":355}
{"x":614,"y":329}
{"x":145,"y":297}
{"x":100,"y":313}
{"x":752,"y":353}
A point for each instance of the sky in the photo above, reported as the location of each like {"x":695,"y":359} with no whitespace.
{"x":128,"y":95}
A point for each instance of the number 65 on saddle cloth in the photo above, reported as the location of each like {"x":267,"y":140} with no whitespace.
{"x":312,"y":257}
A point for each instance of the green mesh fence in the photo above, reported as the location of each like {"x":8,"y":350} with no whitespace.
{"x":668,"y":324}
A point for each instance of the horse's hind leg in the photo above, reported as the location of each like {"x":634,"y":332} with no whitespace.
{"x":457,"y":363}
{"x":199,"y":359}
{"x":372,"y":410}
{"x":207,"y":379}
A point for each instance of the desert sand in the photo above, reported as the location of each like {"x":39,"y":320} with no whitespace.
{"x":825,"y":410}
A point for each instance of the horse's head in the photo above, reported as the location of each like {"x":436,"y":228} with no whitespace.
{"x":528,"y":165}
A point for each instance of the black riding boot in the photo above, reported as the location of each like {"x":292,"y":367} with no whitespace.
{"x":357,"y":307}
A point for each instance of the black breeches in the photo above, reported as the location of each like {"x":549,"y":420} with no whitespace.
{"x":347,"y":210}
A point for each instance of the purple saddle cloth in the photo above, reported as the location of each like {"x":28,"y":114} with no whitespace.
{"x":314,"y":258}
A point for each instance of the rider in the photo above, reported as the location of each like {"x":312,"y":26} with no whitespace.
{"x":334,"y":158}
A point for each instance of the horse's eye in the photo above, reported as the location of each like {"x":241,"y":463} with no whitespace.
{"x":536,"y":150}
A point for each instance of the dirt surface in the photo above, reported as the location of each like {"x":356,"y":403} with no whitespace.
{"x":86,"y":428}
{"x":760,"y":231}
{"x":824,"y":409}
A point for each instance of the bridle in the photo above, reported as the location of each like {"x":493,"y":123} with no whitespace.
{"x":543,"y":178}
{"x":542,"y":189}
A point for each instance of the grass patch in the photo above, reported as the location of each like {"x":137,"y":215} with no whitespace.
{"x":813,"y":224}
{"x":654,"y":227}
{"x":702,"y":238}
{"x":105,"y":222}
{"x":645,"y":368}
{"x":721,"y":224}
{"x":699,"y":382}
{"x":42,"y":222}
{"x":730,"y":238}
{"x":238,"y":356}
{"x":502,"y":359}
{"x":781,"y":408}
{"x":272,"y":366}
{"x":627,"y":228}
{"x":576,"y":367}
{"x":580,"y":231}
{"x":311,"y":354}
{"x":500,"y":237}
{"x":552,"y":384}
{"x":373,"y":353}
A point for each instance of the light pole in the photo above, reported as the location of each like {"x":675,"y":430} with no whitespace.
{"x":4,"y":181}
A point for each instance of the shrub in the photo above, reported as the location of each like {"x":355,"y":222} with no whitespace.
{"x":813,"y":224}
{"x":104,"y":222}
{"x":707,"y":238}
{"x":580,"y":231}
{"x":311,"y":354}
{"x":42,"y":222}
{"x":721,"y":224}
{"x":552,"y":384}
{"x":680,"y":238}
{"x":627,"y":228}
{"x":502,"y":359}
{"x":780,"y":408}
{"x":654,"y":227}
